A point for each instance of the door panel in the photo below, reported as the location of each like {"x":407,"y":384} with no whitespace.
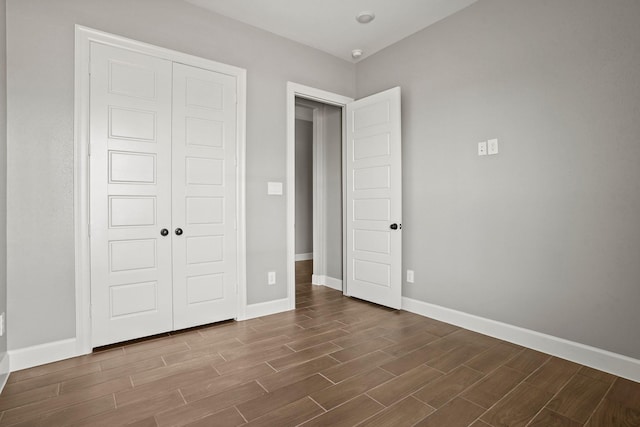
{"x":130,"y":201}
{"x":204,"y":196}
{"x":374,"y":199}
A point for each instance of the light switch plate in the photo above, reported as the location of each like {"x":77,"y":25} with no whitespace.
{"x":274,"y":188}
{"x":271,"y":278}
{"x":482,"y":148}
{"x":492,"y":146}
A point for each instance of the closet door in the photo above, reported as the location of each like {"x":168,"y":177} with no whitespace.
{"x":204,"y":196}
{"x":130,"y":200}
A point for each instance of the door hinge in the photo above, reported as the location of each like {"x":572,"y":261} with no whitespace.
{"x":89,"y":230}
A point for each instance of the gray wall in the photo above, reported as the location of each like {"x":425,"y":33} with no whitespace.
{"x":40,"y":58}
{"x":333,"y":187}
{"x":304,"y":187}
{"x":3,"y":168}
{"x":546,"y":234}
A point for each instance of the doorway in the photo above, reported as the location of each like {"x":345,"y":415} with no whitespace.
{"x":371,"y":188}
{"x":318,"y":192}
{"x":327,"y":113}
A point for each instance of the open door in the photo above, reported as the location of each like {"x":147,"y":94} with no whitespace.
{"x":374,"y":199}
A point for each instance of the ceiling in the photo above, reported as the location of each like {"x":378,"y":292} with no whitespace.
{"x":330,"y":25}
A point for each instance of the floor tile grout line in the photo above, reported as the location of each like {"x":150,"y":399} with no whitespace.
{"x":524,"y":380}
{"x":555,"y":394}
{"x":601,"y":400}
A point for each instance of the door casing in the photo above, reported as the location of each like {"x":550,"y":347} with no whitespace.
{"x":294,"y":91}
{"x":84,"y":37}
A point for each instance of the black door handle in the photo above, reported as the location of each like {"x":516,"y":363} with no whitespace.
{"x":164,"y":232}
{"x":178,"y":231}
{"x":395,"y":226}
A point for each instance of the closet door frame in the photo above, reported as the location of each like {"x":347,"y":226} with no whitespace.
{"x":83,"y":38}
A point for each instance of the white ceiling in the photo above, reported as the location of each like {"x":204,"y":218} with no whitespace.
{"x":330,"y":25}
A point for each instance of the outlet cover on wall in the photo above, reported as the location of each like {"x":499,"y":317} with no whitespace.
{"x":410,"y":277}
{"x":271,"y":278}
{"x":1,"y":324}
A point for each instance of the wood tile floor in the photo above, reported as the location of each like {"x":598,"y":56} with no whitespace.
{"x":334,"y":361}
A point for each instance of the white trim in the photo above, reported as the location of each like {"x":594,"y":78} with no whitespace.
{"x":593,"y":357}
{"x":266,"y":308}
{"x":42,"y":354}
{"x":297,"y":90}
{"x":317,"y":279}
{"x":5,"y":370}
{"x":327,"y":281}
{"x":304,"y":113}
{"x":319,"y":193}
{"x":84,"y":37}
{"x":304,"y":257}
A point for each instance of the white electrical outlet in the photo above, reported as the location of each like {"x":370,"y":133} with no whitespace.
{"x":271,"y":278}
{"x":492,"y":146}
{"x":482,"y":148}
{"x":1,"y":324}
{"x":410,"y":277}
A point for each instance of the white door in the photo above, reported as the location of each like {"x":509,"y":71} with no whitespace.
{"x":374,"y":199}
{"x":130,"y":200}
{"x":204,"y":196}
{"x":162,"y":195}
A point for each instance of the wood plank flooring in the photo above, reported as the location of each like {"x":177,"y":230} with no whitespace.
{"x":334,"y":361}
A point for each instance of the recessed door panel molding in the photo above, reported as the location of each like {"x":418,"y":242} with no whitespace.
{"x":204,"y":199}
{"x":372,"y":178}
{"x":203,"y":171}
{"x":204,"y":93}
{"x":126,"y":123}
{"x":378,"y":114}
{"x":204,"y":249}
{"x":132,"y":211}
{"x":372,"y":241}
{"x":206,"y":133}
{"x":371,"y":146}
{"x":372,"y":210}
{"x":133,"y":168}
{"x":127,"y":255}
{"x":374,"y":199}
{"x":372,"y":273}
{"x":204,"y":210}
{"x":134,"y":299}
{"x":134,"y":80}
{"x":205,"y":288}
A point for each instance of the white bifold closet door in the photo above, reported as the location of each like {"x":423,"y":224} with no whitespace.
{"x":163,"y":195}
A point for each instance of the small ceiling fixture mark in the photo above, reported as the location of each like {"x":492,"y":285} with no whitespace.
{"x":356,"y":53}
{"x":365,"y":17}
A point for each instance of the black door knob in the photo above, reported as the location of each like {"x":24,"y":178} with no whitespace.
{"x":393,"y":226}
{"x":178,"y":231}
{"x":164,"y":232}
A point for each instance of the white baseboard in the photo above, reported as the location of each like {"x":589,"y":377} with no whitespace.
{"x":304,"y":257}
{"x":42,"y":354}
{"x":617,"y":364}
{"x":327,"y":281}
{"x":266,"y":308}
{"x":5,"y":370}
{"x":317,"y":280}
